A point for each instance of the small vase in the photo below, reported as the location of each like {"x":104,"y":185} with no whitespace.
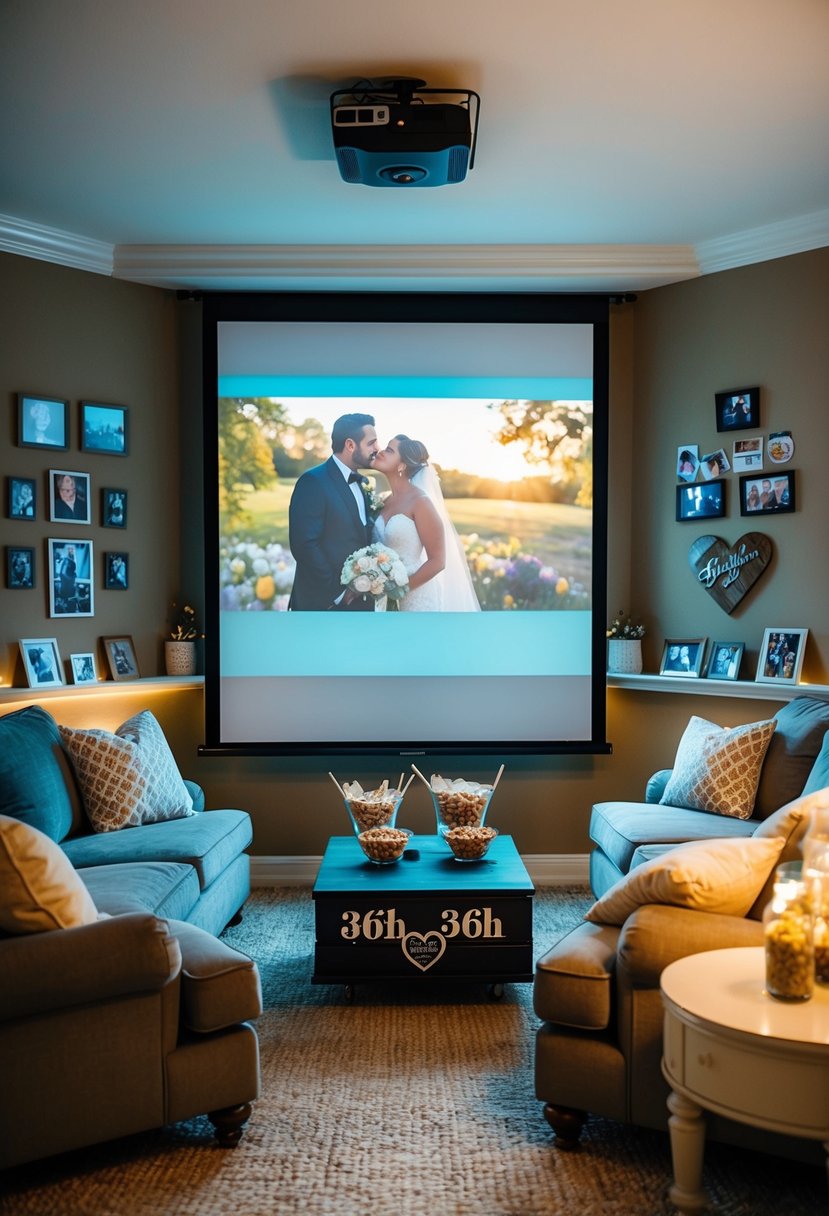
{"x":180,"y":658}
{"x":624,"y":656}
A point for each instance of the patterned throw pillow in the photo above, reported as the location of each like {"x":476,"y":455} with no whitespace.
{"x":129,"y":777}
{"x":718,"y":769}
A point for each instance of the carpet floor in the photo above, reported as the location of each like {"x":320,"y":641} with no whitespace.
{"x":412,"y":1101}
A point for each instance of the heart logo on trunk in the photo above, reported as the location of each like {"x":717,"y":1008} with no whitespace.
{"x":728,"y":572}
{"x":424,"y":949}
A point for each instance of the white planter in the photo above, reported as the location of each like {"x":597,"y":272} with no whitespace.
{"x":180,"y":658}
{"x":624,"y":656}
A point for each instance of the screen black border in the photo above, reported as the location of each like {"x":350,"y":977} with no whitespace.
{"x":407,"y":307}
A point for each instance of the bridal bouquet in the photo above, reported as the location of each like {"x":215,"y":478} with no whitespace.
{"x":376,"y":570}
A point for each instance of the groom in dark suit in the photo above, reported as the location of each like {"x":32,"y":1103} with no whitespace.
{"x":328,"y":519}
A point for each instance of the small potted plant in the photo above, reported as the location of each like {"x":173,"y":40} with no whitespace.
{"x":624,"y":645}
{"x":180,"y":647}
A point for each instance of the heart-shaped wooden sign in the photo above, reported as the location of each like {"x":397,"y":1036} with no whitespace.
{"x":728,"y":572}
{"x":424,"y":949}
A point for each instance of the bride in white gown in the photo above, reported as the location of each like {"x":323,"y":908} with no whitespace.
{"x":415,"y":523}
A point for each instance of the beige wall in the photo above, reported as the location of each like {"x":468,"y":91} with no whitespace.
{"x":671,"y":351}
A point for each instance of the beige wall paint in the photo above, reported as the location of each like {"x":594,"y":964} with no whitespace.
{"x":670,"y":352}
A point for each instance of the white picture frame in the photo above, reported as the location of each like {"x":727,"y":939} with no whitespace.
{"x":82,"y":667}
{"x":41,"y":662}
{"x":70,"y":497}
{"x":781,"y":656}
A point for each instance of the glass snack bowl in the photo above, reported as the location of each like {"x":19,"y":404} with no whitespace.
{"x":470,"y":842}
{"x":459,"y":803}
{"x":384,"y":845}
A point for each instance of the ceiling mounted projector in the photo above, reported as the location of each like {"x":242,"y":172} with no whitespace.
{"x":390,"y":133}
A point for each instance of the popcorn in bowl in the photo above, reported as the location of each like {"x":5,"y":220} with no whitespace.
{"x":469,"y":843}
{"x":371,"y":808}
{"x":384,"y":845}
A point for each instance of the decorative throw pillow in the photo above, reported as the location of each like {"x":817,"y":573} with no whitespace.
{"x":717,"y":769}
{"x":722,"y":875}
{"x":39,"y":889}
{"x":129,"y":777}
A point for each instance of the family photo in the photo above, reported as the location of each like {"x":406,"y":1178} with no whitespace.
{"x":355,"y":510}
{"x":70,"y":578}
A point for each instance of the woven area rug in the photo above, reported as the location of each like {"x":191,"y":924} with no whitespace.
{"x":409,"y":1102}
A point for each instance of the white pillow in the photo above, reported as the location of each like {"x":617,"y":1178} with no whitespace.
{"x":129,"y":777}
{"x":722,"y":875}
{"x":39,"y":889}
{"x":718,"y":769}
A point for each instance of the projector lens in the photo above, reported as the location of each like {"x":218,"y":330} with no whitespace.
{"x":403,"y":175}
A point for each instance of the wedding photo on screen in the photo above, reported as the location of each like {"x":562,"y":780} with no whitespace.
{"x":403,"y":551}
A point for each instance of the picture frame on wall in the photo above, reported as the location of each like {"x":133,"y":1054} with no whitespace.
{"x":714,"y":464}
{"x":20,"y":568}
{"x":116,"y":571}
{"x":774,"y":494}
{"x":69,"y":497}
{"x":42,"y":422}
{"x":725,"y":659}
{"x":22,"y":498}
{"x":682,"y":657}
{"x":781,"y":656}
{"x":70,"y":578}
{"x":747,"y":455}
{"x":113,"y":508}
{"x":687,"y":461}
{"x":120,"y":655}
{"x":41,"y":662}
{"x":737,"y":409}
{"x":104,"y":428}
{"x":702,"y":500}
{"x":82,"y":667}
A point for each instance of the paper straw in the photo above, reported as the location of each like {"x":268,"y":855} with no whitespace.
{"x":336,"y":782}
{"x":420,"y":775}
{"x":408,"y":783}
{"x":498,"y":778}
{"x":400,"y":782}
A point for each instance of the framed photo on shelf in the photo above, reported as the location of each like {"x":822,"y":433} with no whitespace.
{"x":703,"y":500}
{"x":737,"y":409}
{"x":69,"y":497}
{"x":120,"y":654}
{"x":70,"y":578}
{"x":20,"y":568}
{"x":42,"y":422}
{"x":41,"y":661}
{"x":682,"y":657}
{"x":113,"y":508}
{"x":781,"y":656}
{"x":22,"y":498}
{"x":724,"y":663}
{"x":104,"y":428}
{"x":116,"y":571}
{"x":83,"y":668}
{"x":762,"y":495}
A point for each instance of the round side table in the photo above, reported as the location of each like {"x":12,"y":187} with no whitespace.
{"x":731,"y":1048}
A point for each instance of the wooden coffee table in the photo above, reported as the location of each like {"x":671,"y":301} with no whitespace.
{"x":425,"y":917}
{"x":731,"y":1048}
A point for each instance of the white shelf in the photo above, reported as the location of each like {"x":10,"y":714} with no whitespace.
{"x":740,"y":689}
{"x":118,"y":688}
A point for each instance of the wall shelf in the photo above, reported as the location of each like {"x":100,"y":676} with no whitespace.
{"x":117,"y":688}
{"x":739,"y":689}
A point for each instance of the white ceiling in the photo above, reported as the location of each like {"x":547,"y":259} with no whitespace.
{"x":621,"y":145}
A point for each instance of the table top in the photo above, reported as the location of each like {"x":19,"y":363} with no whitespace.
{"x":726,"y":988}
{"x":426,"y":866}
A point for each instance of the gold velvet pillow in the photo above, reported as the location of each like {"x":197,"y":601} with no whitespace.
{"x":718,"y":769}
{"x":39,"y":889}
{"x":723,"y":875}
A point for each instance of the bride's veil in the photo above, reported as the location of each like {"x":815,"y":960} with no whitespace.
{"x":458,"y":591}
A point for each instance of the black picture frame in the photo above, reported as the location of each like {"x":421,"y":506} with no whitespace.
{"x":116,"y":571}
{"x":113,"y":507}
{"x":104,"y":428}
{"x":724,"y":660}
{"x":42,"y":421}
{"x":682,"y":657}
{"x":20,"y":568}
{"x":700,"y":500}
{"x":66,"y":510}
{"x":737,"y":409}
{"x":22,"y":498}
{"x":769,"y":494}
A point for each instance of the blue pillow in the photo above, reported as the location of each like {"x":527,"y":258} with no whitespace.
{"x":819,"y":776}
{"x":35,"y":778}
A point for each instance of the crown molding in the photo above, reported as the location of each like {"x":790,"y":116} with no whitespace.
{"x":762,"y":244}
{"x":53,"y":245}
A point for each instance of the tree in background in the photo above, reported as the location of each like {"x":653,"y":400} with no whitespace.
{"x":555,"y":433}
{"x":248,"y":428}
